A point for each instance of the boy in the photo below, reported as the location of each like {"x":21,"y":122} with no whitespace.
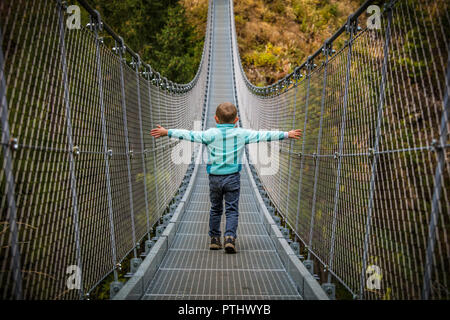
{"x":225,"y":147}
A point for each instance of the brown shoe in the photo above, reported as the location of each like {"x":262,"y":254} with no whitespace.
{"x":215,"y":243}
{"x":230,"y":244}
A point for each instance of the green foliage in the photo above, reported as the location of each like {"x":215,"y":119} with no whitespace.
{"x":299,"y":27}
{"x":278,"y":6}
{"x":159,"y":32}
{"x":315,"y":16}
{"x":177,"y":53}
{"x":239,"y":20}
{"x":267,"y":57}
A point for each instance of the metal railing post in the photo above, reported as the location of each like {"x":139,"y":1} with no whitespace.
{"x":279,"y":162}
{"x":144,"y":168}
{"x":438,"y":181}
{"x":375,"y":149}
{"x":162,"y":145}
{"x":7,"y":146}
{"x":302,"y":160}
{"x":167,"y":150}
{"x":107,"y":153}
{"x":155,"y":165}
{"x":127,"y":148}
{"x":290,"y":153}
{"x":73,"y":179}
{"x":338,"y":155}
{"x":316,"y":158}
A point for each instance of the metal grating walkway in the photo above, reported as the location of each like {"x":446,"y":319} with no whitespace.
{"x":190,"y":270}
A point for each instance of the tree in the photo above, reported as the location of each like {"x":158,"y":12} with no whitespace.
{"x":159,"y":32}
{"x":178,"y":52}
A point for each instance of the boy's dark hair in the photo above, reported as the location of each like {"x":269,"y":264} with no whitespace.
{"x":226,"y":112}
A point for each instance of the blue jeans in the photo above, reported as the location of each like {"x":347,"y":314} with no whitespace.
{"x":226,"y":187}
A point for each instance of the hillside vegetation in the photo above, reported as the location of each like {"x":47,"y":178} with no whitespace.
{"x":273,"y":35}
{"x":162,"y":32}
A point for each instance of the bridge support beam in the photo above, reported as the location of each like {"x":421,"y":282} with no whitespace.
{"x":375,"y":153}
{"x":302,"y":158}
{"x":141,"y":136}
{"x":317,"y":158}
{"x":106,"y":152}
{"x":290,"y":153}
{"x":153,"y":125}
{"x":72,"y":150}
{"x":338,"y":157}
{"x":127,"y":147}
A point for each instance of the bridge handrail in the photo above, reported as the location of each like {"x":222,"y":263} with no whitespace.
{"x":379,"y":102}
{"x":85,"y":185}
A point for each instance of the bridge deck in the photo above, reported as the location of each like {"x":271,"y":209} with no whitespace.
{"x":190,"y":270}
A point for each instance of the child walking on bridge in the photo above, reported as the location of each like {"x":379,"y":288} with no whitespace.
{"x":225,"y":145}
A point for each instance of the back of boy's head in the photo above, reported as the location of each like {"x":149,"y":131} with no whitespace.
{"x":226,"y":112}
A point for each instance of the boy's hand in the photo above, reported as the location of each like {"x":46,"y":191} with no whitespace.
{"x":159,"y":131}
{"x":295,"y":134}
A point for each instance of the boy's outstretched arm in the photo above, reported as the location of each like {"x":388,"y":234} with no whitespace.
{"x":258,"y":136}
{"x":194,"y":136}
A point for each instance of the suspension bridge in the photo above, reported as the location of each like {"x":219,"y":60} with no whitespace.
{"x":358,"y":209}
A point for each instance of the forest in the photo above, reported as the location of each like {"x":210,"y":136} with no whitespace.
{"x":274,"y":36}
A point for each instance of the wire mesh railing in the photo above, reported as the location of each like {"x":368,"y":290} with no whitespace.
{"x":82,"y":181}
{"x":366,"y":189}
